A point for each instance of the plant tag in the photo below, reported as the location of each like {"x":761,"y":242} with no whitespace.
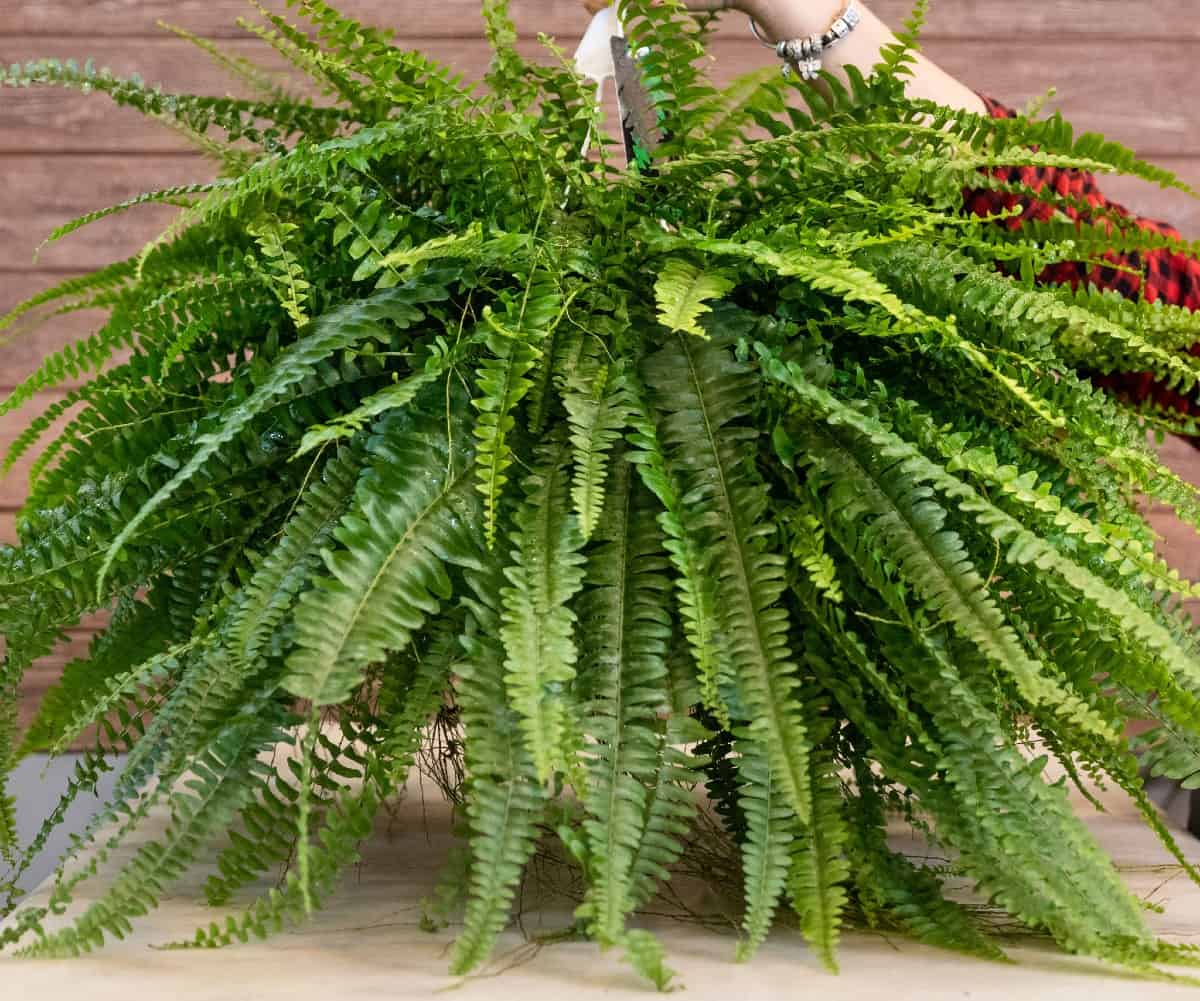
{"x":594,"y":58}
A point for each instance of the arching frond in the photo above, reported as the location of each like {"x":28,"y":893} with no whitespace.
{"x":761,"y":466}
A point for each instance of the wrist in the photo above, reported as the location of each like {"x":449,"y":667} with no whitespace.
{"x":784,"y":19}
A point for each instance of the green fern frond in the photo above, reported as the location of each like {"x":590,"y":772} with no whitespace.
{"x":770,"y":832}
{"x":626,"y":610}
{"x":217,"y":790}
{"x":505,"y":799}
{"x":283,"y":267}
{"x":106,"y":279}
{"x":597,"y":412}
{"x":899,"y":57}
{"x":683,"y":292}
{"x":688,"y":552}
{"x":702,"y":393}
{"x":515,"y":346}
{"x":538,"y":630}
{"x":816,"y":509}
{"x":239,"y":67}
{"x":819,"y":865}
{"x":410,"y":517}
{"x":343,"y":328}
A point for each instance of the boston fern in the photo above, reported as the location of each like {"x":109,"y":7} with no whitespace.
{"x":764,"y":471}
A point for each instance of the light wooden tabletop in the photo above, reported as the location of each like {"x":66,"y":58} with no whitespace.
{"x":367,"y":944}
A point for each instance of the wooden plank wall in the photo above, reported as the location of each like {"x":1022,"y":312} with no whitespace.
{"x":1131,"y":74}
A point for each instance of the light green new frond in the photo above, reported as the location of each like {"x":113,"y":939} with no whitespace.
{"x":808,"y":548}
{"x":412,"y":515}
{"x":507,"y":70}
{"x":770,"y":832}
{"x":597,"y":411}
{"x":502,"y":381}
{"x":254,"y":76}
{"x":695,"y":585}
{"x":466,"y":245}
{"x":670,"y":42}
{"x":505,"y":798}
{"x":397,"y":76}
{"x":703,"y":396}
{"x":743,"y":103}
{"x":819,"y":866}
{"x":828,"y":274}
{"x":900,"y":55}
{"x":683,"y":292}
{"x":626,"y":608}
{"x":327,"y":70}
{"x":283,"y":269}
{"x":538,"y":631}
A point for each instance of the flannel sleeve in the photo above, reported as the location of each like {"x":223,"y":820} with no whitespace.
{"x":1160,"y":274}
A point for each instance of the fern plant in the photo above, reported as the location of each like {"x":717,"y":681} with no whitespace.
{"x":766,"y":470}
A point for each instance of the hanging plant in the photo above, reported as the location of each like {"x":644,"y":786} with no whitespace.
{"x":766,"y":471}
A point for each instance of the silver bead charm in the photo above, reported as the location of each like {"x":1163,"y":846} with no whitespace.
{"x":803,"y":55}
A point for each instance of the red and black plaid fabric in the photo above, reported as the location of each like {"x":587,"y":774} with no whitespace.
{"x":1163,"y":274}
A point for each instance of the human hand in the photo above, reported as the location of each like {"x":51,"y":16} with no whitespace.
{"x":751,"y":7}
{"x":754,"y":8}
{"x":776,"y":18}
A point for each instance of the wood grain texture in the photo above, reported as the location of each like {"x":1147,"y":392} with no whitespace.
{"x":45,"y":673}
{"x":14,"y":484}
{"x":40,"y":193}
{"x":1012,"y":19}
{"x":23,"y":347}
{"x":1144,"y":112}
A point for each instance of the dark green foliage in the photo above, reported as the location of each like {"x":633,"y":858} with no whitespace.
{"x":767,"y":470}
